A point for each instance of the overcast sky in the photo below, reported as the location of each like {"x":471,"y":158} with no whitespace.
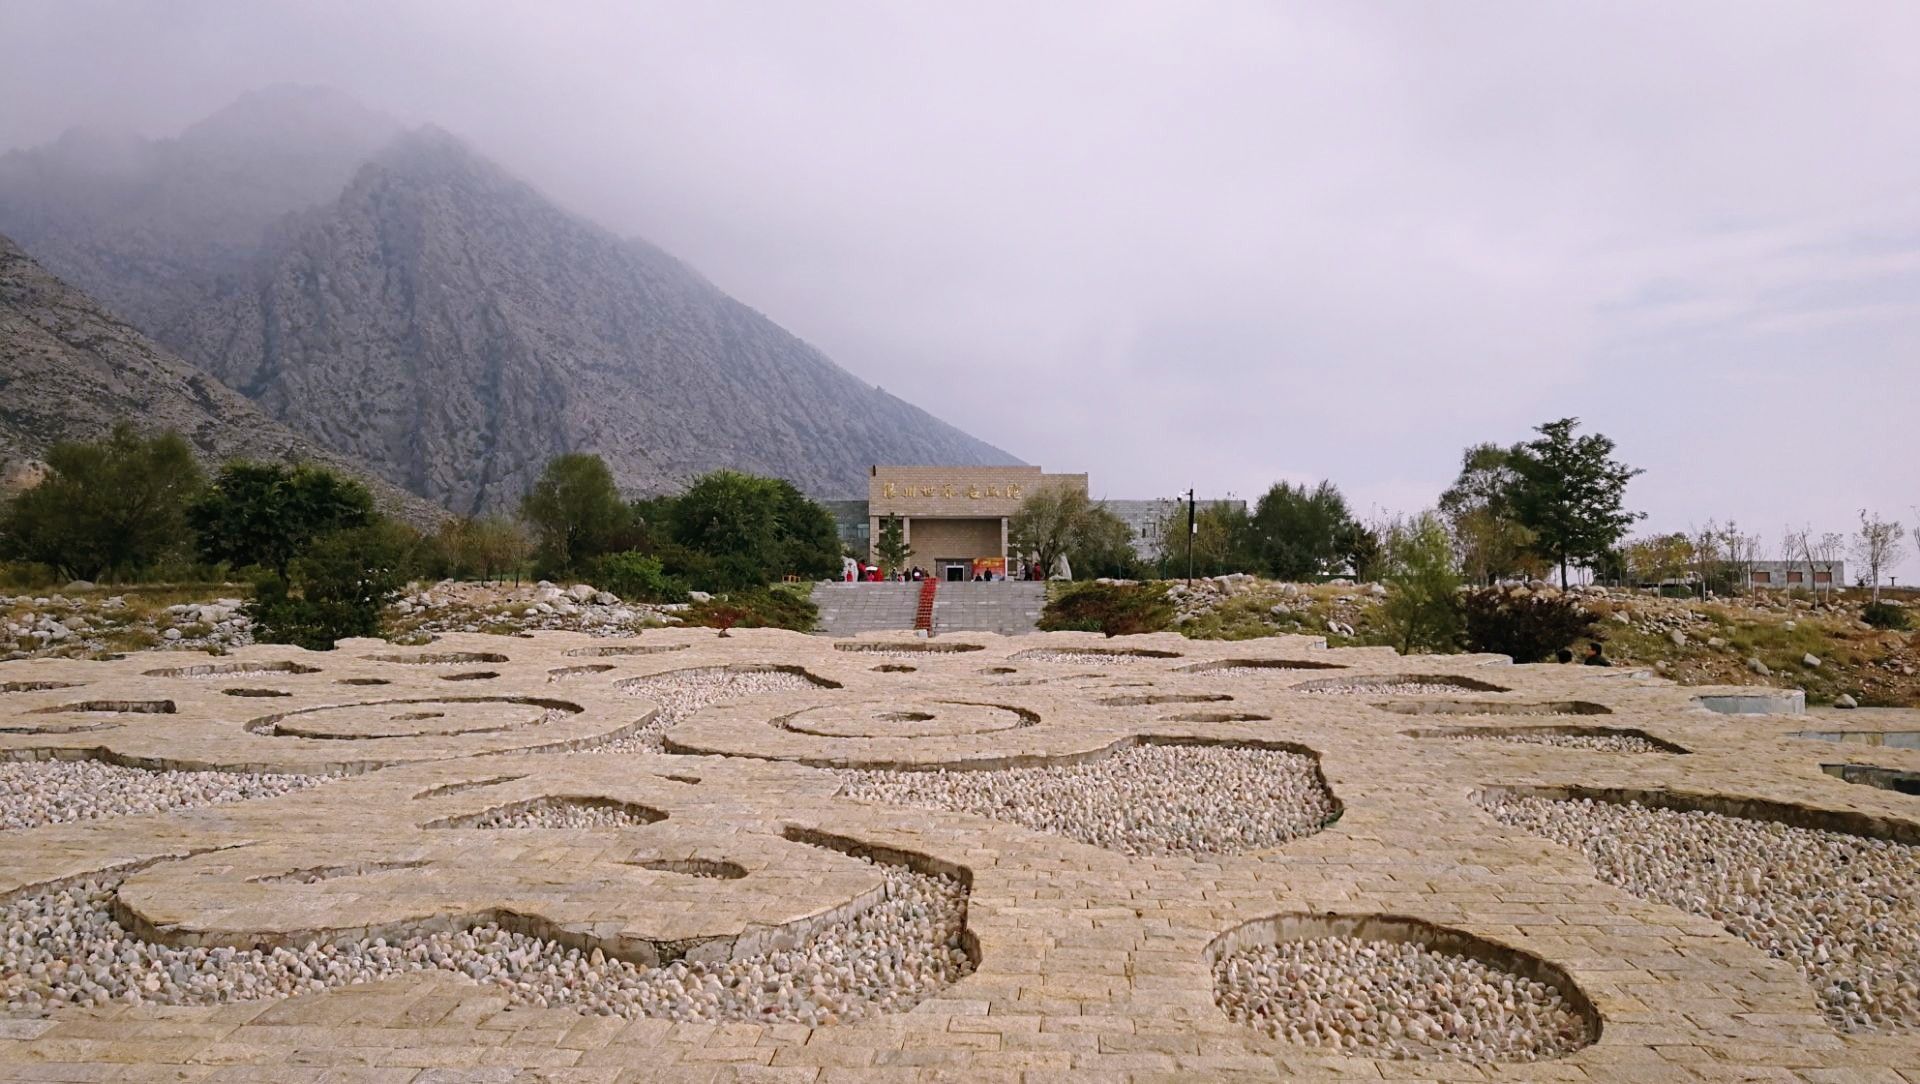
{"x":1206,"y":245}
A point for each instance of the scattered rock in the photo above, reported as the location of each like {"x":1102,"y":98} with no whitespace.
{"x":1397,"y":1000}
{"x":1231,"y":799}
{"x":1845,"y":908}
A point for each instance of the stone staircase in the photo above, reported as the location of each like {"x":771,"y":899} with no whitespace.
{"x":847,"y":609}
{"x":1009,"y":607}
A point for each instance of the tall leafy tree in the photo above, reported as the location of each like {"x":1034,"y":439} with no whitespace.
{"x":1223,"y":540}
{"x":575,"y":511}
{"x":266,"y":514}
{"x":1300,"y":531}
{"x":1042,"y":527}
{"x":1570,"y":493}
{"x":808,"y":538}
{"x":1363,"y":550}
{"x":1423,"y":608}
{"x":1478,"y":508}
{"x":118,"y":505}
{"x":1103,"y":546}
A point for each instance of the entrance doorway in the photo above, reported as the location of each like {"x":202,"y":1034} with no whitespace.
{"x":954,"y":571}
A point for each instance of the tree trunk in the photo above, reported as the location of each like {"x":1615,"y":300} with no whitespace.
{"x":1563,"y":572}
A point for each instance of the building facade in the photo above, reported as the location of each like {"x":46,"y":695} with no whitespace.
{"x":1791,"y":574}
{"x":955,"y":518}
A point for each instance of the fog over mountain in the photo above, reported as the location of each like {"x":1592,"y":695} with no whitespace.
{"x":163,"y":230}
{"x":400,"y":299}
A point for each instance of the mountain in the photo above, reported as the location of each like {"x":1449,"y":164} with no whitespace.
{"x":448,"y":324}
{"x":161,"y":230}
{"x":69,"y":371}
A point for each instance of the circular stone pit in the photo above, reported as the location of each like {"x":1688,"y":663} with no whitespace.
{"x":907,"y":650}
{"x":440,"y":658}
{"x":36,"y":686}
{"x":1145,"y":797}
{"x":564,"y":811}
{"x":1141,"y":700}
{"x":95,"y":715}
{"x":916,"y":719}
{"x":713,"y":869}
{"x":1492,"y":707}
{"x":1837,"y":894}
{"x":414,"y":718}
{"x":1600,"y":739}
{"x":625,"y":649}
{"x":1095,"y":656}
{"x":1385,"y":986}
{"x":1257,"y":666}
{"x":234,"y":670}
{"x":680,"y":693}
{"x":1396,"y":685}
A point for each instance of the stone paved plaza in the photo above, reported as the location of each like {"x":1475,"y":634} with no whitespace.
{"x":767,"y":856}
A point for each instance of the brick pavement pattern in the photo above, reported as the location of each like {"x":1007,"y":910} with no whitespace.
{"x":1089,"y":964}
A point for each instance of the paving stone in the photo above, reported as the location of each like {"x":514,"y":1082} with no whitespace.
{"x":1091,"y":964}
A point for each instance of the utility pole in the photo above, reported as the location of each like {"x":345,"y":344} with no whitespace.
{"x":1193,"y":528}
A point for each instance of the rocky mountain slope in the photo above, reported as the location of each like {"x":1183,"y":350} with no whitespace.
{"x":69,"y":371}
{"x":447,"y":324}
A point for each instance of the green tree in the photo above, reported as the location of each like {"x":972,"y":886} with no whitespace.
{"x":1299,"y":530}
{"x":1102,"y":545}
{"x":1044,"y":526}
{"x":1570,"y":493}
{"x":891,"y":547}
{"x":266,"y":514}
{"x":479,"y":548}
{"x":339,"y":586}
{"x":750,"y":531}
{"x":809,"y":539}
{"x":1222,"y":540}
{"x":1423,"y":606}
{"x":118,"y":505}
{"x":1061,"y":520}
{"x":637,"y":577}
{"x":575,"y":511}
{"x":1478,"y":507}
{"x":496,"y":545}
{"x":1658,"y":559}
{"x":1361,"y":547}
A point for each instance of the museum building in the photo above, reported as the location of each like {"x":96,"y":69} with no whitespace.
{"x":955,"y":518}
